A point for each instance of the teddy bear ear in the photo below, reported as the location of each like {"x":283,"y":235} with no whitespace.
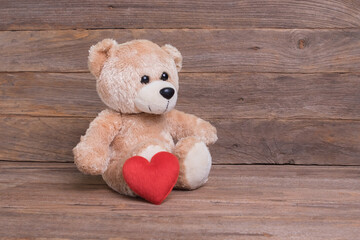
{"x":98,"y":54}
{"x":175,"y":54}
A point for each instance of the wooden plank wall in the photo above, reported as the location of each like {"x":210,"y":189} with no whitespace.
{"x":279,"y":79}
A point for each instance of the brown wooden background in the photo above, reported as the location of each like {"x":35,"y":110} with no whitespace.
{"x":279,"y":79}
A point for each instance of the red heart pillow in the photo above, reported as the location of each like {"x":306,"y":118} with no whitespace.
{"x":152,"y":180}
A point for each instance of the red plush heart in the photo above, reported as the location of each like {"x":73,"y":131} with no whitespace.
{"x":152,"y":180}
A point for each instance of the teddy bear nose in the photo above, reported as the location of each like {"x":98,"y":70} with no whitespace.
{"x":167,"y":92}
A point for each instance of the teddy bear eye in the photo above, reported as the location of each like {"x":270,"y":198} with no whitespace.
{"x":164,"y":76}
{"x":145,"y":79}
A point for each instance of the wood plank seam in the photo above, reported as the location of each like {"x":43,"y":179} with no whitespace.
{"x":214,"y":164}
{"x":213,"y":118}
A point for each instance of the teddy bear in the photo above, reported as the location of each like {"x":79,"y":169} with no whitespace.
{"x":138,"y":82}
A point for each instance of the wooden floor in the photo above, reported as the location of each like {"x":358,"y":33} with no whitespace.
{"x":238,"y":202}
{"x":279,"y":79}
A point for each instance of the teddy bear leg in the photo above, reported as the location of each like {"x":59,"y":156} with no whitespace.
{"x":113,"y":175}
{"x":195,"y":163}
{"x":150,"y":150}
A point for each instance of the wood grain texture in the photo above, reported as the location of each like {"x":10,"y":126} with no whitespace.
{"x":329,"y":96}
{"x":238,"y":202}
{"x":66,"y":14}
{"x":240,"y":141}
{"x":270,"y":50}
{"x":279,"y":79}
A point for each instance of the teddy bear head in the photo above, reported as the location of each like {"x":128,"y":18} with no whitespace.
{"x":136,"y":76}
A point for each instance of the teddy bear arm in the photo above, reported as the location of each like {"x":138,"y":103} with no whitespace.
{"x":91,"y":155}
{"x":184,"y":125}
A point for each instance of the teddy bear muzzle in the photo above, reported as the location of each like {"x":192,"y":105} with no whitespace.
{"x":157,"y":97}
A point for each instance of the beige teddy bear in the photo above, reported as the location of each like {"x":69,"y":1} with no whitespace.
{"x":138,"y":81}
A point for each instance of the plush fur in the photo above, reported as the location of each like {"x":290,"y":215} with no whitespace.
{"x":139,"y":120}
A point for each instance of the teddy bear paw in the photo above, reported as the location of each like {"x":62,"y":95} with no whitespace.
{"x":197,"y":165}
{"x":90,"y":161}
